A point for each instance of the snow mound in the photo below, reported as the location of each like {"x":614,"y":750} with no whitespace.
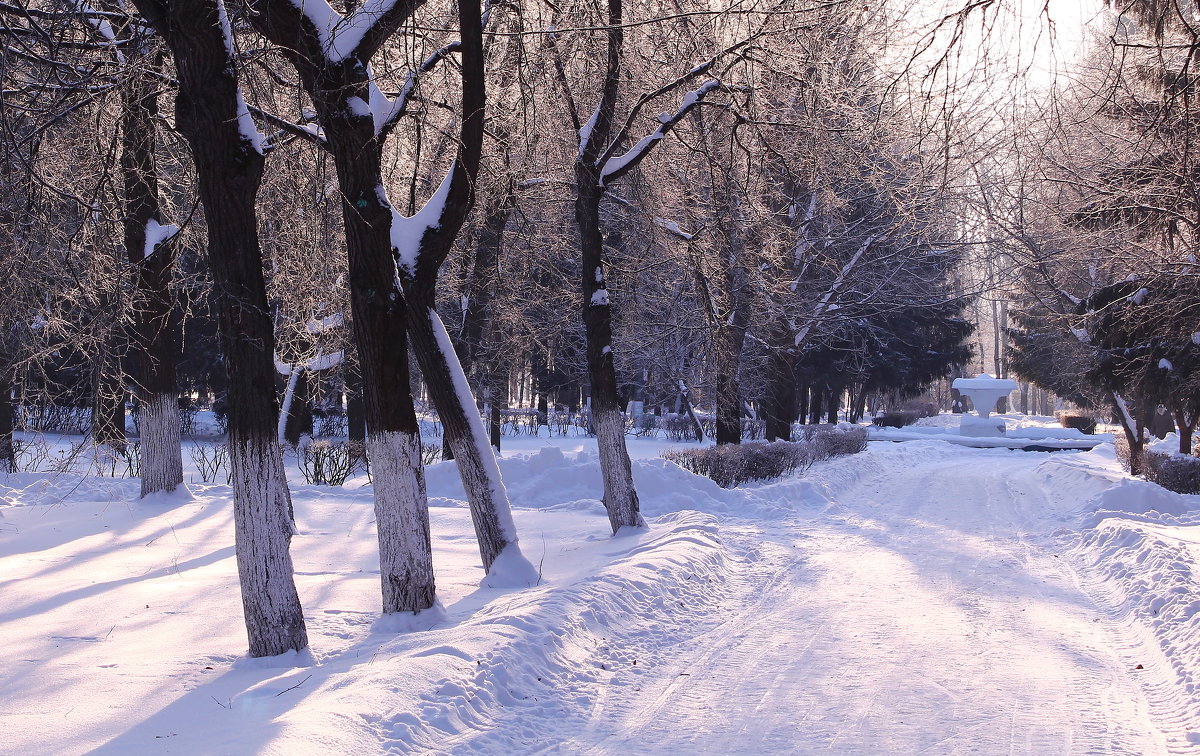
{"x":1144,"y":575}
{"x":1137,"y":499}
{"x":549,"y":479}
{"x":1137,"y":546}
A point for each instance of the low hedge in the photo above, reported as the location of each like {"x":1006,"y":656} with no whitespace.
{"x":730,"y":465}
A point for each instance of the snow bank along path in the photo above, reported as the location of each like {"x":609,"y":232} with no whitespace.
{"x":926,"y":611}
{"x":915,"y":598}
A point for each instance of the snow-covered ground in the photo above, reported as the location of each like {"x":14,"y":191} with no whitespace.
{"x":916,"y":598}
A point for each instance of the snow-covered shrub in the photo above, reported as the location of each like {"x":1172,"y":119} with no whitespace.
{"x":896,"y":419}
{"x":733,"y":464}
{"x":329,"y":463}
{"x":1173,"y":472}
{"x":679,"y":427}
{"x":1082,"y":423}
{"x":830,"y":441}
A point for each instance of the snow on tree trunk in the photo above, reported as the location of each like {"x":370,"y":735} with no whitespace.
{"x":463,"y":428}
{"x":1185,"y":425}
{"x":262,"y":535}
{"x":1133,"y":428}
{"x":285,"y":409}
{"x":402,"y":522}
{"x":161,"y":459}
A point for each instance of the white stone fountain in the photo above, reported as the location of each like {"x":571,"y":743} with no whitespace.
{"x":984,"y":391}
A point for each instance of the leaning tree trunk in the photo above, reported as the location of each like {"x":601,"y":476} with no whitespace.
{"x":229,"y":168}
{"x":620,"y":496}
{"x":154,"y":334}
{"x":462,"y":426}
{"x":1134,"y":429}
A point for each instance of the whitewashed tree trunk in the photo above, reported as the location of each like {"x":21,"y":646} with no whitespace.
{"x":491,"y":512}
{"x":162,"y":461}
{"x":620,"y":498}
{"x":263,"y":535}
{"x":402,"y":521}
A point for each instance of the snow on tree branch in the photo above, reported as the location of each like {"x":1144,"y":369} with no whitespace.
{"x":156,"y":235}
{"x":823,"y":306}
{"x":614,"y":167}
{"x":407,"y":231}
{"x":673,"y":228}
{"x":387,"y":111}
{"x":341,"y":36}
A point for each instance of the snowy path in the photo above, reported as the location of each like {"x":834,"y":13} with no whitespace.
{"x":926,"y":613}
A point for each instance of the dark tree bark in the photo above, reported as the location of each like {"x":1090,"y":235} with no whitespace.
{"x":229,"y":168}
{"x":108,"y":392}
{"x":1133,"y":424}
{"x":596,"y":168}
{"x":780,"y":402}
{"x":8,"y":450}
{"x":154,"y":333}
{"x":490,"y":508}
{"x":1185,"y":423}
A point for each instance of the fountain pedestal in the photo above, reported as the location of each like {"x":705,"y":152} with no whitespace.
{"x":984,"y":391}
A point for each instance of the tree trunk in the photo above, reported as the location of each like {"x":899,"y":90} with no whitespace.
{"x":8,"y":450}
{"x":229,"y":170}
{"x":108,"y":398}
{"x":1186,"y":426}
{"x":860,"y":406}
{"x":155,"y":332}
{"x":816,"y":407}
{"x":381,"y":333}
{"x":729,"y":396}
{"x":463,"y":428}
{"x":780,"y":401}
{"x":1133,"y":427}
{"x":299,"y":415}
{"x":620,"y":496}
